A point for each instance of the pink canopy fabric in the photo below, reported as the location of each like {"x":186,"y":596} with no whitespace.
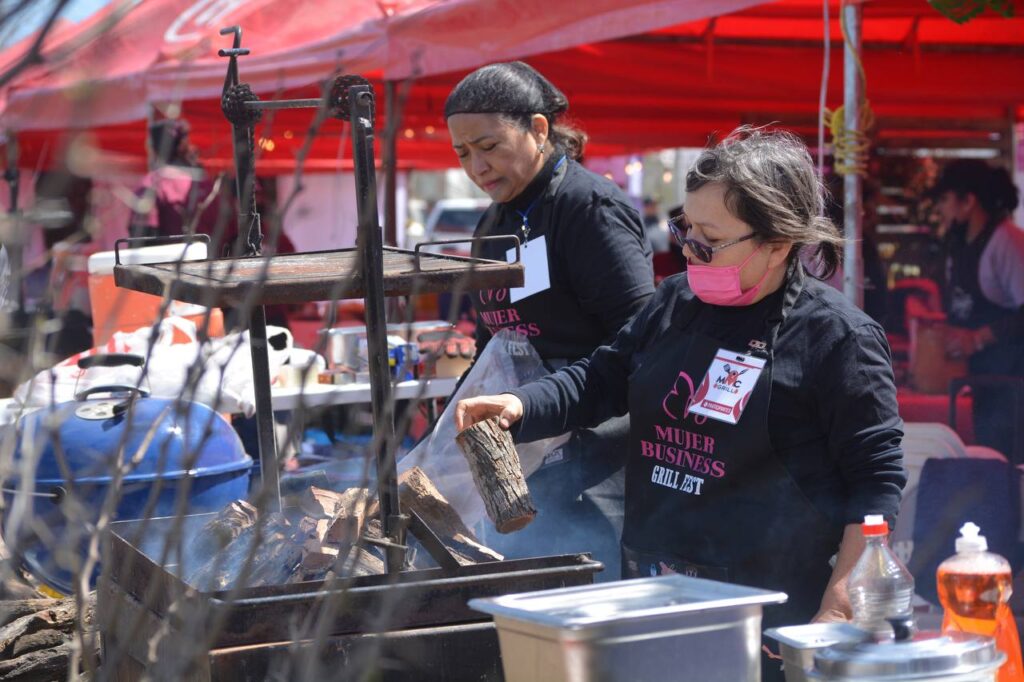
{"x":166,"y":50}
{"x":639,"y":74}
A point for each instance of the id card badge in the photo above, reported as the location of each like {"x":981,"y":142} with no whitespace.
{"x":534,"y":256}
{"x":726,"y":388}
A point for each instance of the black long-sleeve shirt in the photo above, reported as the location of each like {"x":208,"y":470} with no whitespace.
{"x":599,"y":262}
{"x":833,"y":416}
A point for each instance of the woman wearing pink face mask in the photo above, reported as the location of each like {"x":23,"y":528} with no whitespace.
{"x":763,"y":409}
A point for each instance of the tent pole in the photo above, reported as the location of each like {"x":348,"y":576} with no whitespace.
{"x":390,"y":159}
{"x":853,"y":96}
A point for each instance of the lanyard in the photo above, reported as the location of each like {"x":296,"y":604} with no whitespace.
{"x":525,"y":215}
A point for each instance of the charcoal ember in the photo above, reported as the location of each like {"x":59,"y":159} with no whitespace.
{"x":274,"y":559}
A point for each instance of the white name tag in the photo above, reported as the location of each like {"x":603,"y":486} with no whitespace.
{"x":535,"y":262}
{"x":726,"y":388}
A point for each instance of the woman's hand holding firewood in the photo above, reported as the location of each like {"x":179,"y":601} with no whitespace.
{"x":506,"y":407}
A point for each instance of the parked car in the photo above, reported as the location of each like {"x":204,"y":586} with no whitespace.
{"x":450,"y":219}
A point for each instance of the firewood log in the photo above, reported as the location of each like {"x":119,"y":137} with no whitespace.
{"x":44,"y":664}
{"x":320,"y":503}
{"x":273,"y":562}
{"x":349,"y":518}
{"x":498,"y":475}
{"x":358,"y":563}
{"x":38,"y":645}
{"x":15,"y":609}
{"x":219,"y":531}
{"x":60,"y":616}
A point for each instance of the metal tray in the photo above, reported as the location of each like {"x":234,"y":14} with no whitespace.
{"x":645,"y":630}
{"x":313,"y":276}
{"x":592,"y":606}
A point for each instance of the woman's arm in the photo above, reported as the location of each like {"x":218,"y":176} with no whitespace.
{"x":584,"y":394}
{"x":608,"y":259}
{"x":855,"y":396}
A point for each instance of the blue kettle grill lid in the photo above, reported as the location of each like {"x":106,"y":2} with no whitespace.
{"x":153,"y":437}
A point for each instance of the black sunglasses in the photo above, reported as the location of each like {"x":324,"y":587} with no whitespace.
{"x":680,"y":226}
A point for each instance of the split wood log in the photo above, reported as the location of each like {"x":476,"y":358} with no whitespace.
{"x":44,"y":664}
{"x":38,"y":645}
{"x":349,"y":517}
{"x":273,"y":562}
{"x":313,"y":530}
{"x":15,"y":609}
{"x":498,"y":475}
{"x":219,"y":531}
{"x":360,"y":562}
{"x":60,"y":616}
{"x":418,"y":493}
{"x":320,"y":503}
{"x":473,"y":550}
{"x":44,"y":639}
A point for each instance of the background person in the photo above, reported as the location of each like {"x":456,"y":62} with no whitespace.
{"x":177,"y":196}
{"x":985,"y":288}
{"x":588,"y":271}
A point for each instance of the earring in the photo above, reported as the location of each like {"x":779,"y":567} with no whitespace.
{"x":540,"y":148}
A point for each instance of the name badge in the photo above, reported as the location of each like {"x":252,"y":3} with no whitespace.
{"x":726,"y":388}
{"x":536,"y":278}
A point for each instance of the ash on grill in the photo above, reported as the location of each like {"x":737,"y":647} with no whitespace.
{"x":322,"y":534}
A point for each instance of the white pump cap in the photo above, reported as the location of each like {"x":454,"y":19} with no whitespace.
{"x":970,"y":540}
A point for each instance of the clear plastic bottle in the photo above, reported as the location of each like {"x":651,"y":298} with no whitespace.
{"x":879,"y":586}
{"x":974,"y":588}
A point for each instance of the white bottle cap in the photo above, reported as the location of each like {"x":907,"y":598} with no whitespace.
{"x":970,"y":540}
{"x":873,"y":519}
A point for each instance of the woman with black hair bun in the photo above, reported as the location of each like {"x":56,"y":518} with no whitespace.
{"x":985,"y":289}
{"x":588,"y":271}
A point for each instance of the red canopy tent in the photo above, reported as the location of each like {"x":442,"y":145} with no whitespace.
{"x":165,"y":51}
{"x":639,"y":75}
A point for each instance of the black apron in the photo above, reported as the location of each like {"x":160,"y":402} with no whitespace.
{"x":579,"y":488}
{"x":967,"y":306}
{"x":714,"y":500}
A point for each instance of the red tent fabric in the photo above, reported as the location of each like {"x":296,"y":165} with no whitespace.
{"x":639,"y":75}
{"x":166,"y":50}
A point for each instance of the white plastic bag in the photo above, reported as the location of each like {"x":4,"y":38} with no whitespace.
{"x":225,"y":382}
{"x":508,"y":361}
{"x":175,"y":341}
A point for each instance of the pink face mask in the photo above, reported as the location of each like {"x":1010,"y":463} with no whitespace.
{"x":720,"y":285}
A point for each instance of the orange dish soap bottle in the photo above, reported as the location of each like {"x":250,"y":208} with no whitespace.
{"x":974,"y":588}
